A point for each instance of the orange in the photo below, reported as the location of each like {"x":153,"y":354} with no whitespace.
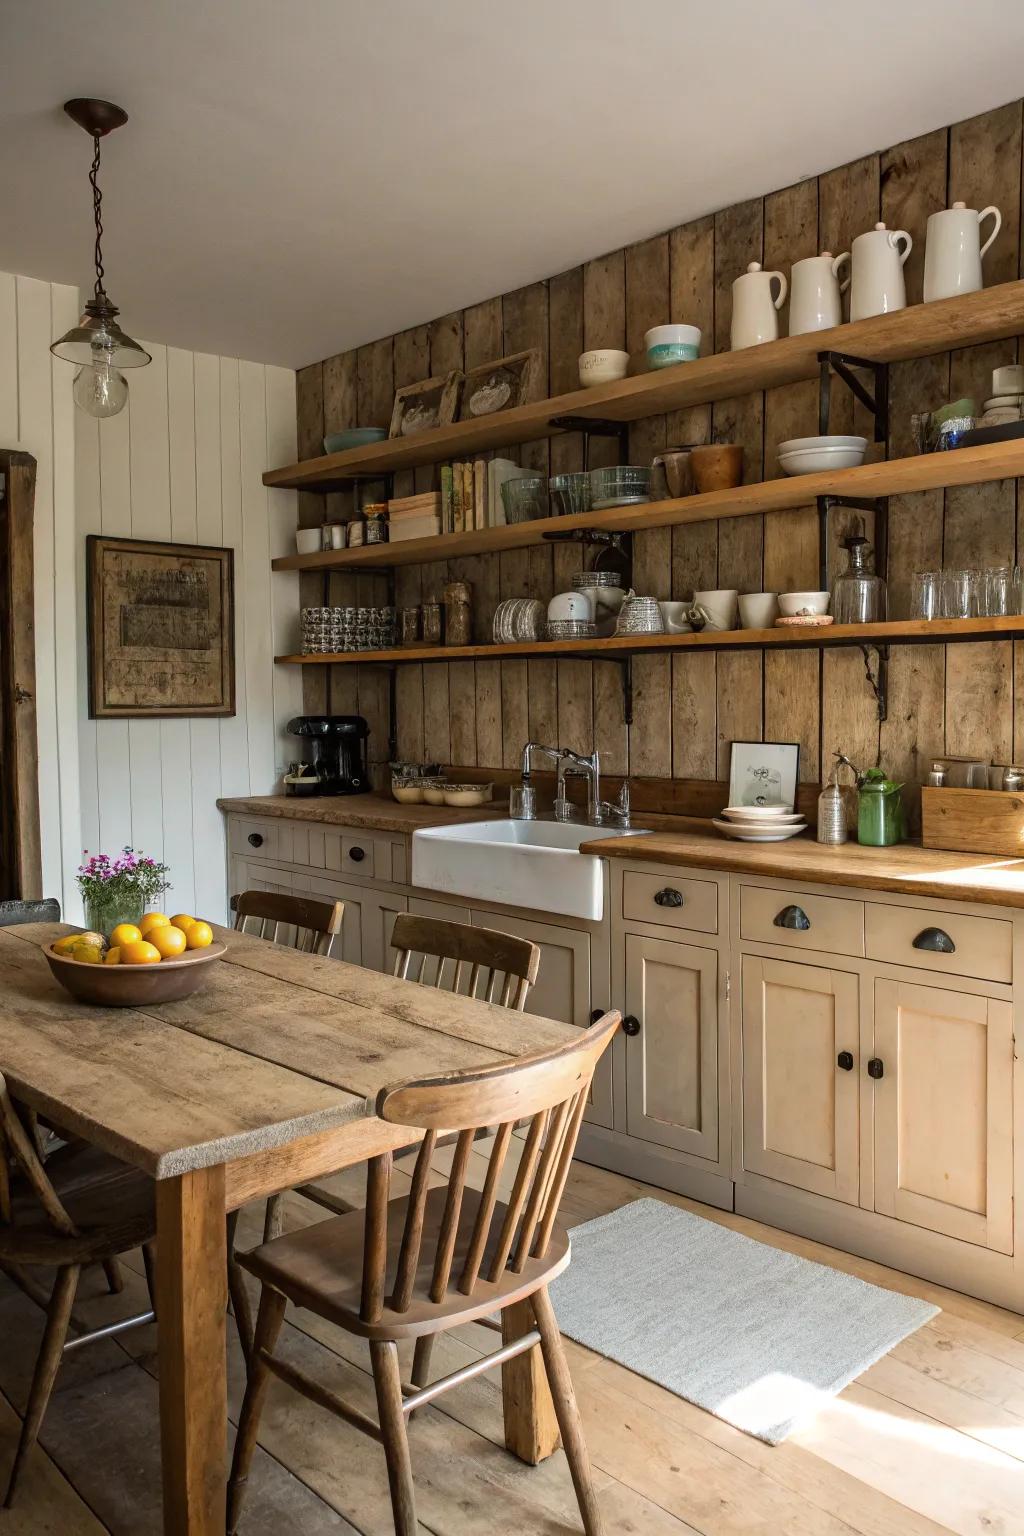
{"x":112,"y":956}
{"x":126,"y":933}
{"x":139,"y":952}
{"x":200,"y":935}
{"x":169,"y":941}
{"x":150,"y":920}
{"x":183,"y":921}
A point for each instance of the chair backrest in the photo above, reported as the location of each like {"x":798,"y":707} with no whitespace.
{"x":549,"y":1090}
{"x":484,"y":963}
{"x":17,"y":1142}
{"x":300,"y":922}
{"x":12,"y":912}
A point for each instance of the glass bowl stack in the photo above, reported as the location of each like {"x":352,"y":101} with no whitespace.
{"x":329,"y":631}
{"x":621,"y":486}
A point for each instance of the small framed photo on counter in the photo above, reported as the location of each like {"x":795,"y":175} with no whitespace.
{"x":764,"y":773}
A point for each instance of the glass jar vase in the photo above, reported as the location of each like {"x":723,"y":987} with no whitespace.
{"x":103,"y":913}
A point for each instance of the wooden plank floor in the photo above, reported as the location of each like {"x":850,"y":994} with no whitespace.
{"x":930,"y":1439}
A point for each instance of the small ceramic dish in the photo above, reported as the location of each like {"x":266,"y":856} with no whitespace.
{"x":810,"y":455}
{"x":354,"y":437}
{"x":602,"y":366}
{"x":407,"y":791}
{"x":792,"y":604}
{"x":670,"y":344}
{"x":433,"y":791}
{"x":466,"y":795}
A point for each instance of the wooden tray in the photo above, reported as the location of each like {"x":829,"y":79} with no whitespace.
{"x":973,"y":820}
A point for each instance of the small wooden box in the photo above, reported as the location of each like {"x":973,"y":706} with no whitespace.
{"x":973,"y":820}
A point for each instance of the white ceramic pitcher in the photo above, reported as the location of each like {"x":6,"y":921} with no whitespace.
{"x":814,"y":297}
{"x":755,"y":309}
{"x":953,"y":250}
{"x":876,"y":270}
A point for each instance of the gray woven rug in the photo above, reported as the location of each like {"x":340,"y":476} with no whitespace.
{"x":755,"y":1335}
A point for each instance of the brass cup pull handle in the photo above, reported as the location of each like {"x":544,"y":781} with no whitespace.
{"x":876,"y":1068}
{"x":845,"y":1061}
{"x":792,"y":917}
{"x":669,"y":897}
{"x":936,"y":941}
{"x":631,"y":1024}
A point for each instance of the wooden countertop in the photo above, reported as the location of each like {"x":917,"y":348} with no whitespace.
{"x":375,"y":812}
{"x":907,"y":868}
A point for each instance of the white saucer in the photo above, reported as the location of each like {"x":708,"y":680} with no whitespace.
{"x":762,"y":813}
{"x":747,"y":833}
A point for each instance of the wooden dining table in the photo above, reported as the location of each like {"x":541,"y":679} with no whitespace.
{"x":263,"y":1079}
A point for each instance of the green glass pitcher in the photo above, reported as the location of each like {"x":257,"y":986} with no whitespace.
{"x":879,"y":810}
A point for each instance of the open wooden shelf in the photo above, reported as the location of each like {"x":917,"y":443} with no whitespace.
{"x":892,"y":477}
{"x":919,"y":331}
{"x":621,"y":647}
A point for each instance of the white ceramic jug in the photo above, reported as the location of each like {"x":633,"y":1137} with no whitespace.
{"x":953,"y":250}
{"x":876,"y":267}
{"x":814,"y":296}
{"x":754,"y":309}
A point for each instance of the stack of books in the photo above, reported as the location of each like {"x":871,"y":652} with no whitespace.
{"x":471,"y":493}
{"x":414,"y":517}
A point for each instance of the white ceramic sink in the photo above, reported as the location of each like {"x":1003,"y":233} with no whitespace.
{"x":531,"y":864}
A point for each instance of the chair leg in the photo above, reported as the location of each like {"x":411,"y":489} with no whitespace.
{"x":115,"y":1279}
{"x":566,"y":1411}
{"x":421,"y":1364}
{"x":273,"y":1221}
{"x":149,"y":1260}
{"x":238,"y":1294}
{"x":268,"y":1326}
{"x":58,"y":1316}
{"x":387,"y":1380}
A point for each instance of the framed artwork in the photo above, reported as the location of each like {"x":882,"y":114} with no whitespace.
{"x":161,"y":629}
{"x":499,"y":386}
{"x":764,"y":773}
{"x":431,"y":403}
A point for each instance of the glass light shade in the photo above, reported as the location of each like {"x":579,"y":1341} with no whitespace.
{"x":100,"y":390}
{"x":99,"y":332}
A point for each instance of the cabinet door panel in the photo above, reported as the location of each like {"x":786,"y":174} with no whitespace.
{"x":672,"y":1064}
{"x":800,"y":1108}
{"x":944,"y":1112}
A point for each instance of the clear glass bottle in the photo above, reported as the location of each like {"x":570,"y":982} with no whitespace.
{"x":858,"y":596}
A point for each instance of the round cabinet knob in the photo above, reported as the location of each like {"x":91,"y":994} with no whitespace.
{"x":845,"y":1061}
{"x":357,"y":855}
{"x":669,"y":897}
{"x":936,"y":941}
{"x":256,"y":839}
{"x":792,"y":917}
{"x":631,"y":1024}
{"x":595,"y":1014}
{"x":876,"y":1067}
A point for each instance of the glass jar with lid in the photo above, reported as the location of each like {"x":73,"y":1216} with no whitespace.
{"x":858,"y":596}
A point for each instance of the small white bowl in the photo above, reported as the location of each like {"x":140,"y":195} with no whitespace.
{"x":570,"y":605}
{"x":758,"y":610}
{"x":792,"y":604}
{"x":670,"y":344}
{"x":603,"y":366}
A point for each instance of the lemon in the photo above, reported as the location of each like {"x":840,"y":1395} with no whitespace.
{"x":150,"y":920}
{"x":125,"y":933}
{"x":88,"y":954}
{"x":66,"y":945}
{"x":139,"y":952}
{"x":169,"y":941}
{"x":183,"y":921}
{"x":199,"y":935}
{"x":112,"y":956}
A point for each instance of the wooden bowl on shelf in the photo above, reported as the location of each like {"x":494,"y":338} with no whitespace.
{"x":133,"y":986}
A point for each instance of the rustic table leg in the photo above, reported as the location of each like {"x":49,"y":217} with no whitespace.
{"x":531,"y":1429}
{"x":191,"y":1302}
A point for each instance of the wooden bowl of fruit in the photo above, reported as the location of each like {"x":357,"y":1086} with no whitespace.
{"x":159,"y":960}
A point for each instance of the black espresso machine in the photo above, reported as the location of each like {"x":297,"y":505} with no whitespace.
{"x":335,"y":756}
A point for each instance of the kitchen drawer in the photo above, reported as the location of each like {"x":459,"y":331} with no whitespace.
{"x":982,"y":946}
{"x":829,"y":923}
{"x":672,"y":902}
{"x":250,"y":838}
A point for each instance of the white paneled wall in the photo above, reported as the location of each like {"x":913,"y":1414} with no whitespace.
{"x":184,"y":461}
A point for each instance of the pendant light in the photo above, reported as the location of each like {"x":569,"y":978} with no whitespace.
{"x":97,"y":344}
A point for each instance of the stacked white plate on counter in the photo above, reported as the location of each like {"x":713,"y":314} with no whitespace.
{"x":760,"y":823}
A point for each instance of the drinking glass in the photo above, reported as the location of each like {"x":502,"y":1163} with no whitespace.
{"x":960,"y":594}
{"x":996,"y":590}
{"x":926,"y":595}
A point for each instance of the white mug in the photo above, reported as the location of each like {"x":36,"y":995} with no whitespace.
{"x":953,"y":250}
{"x":720,"y":606}
{"x":308,"y":541}
{"x":676,"y":617}
{"x":758,"y":610}
{"x":814,"y":296}
{"x":570,"y":605}
{"x":754,"y":307}
{"x":876,"y":268}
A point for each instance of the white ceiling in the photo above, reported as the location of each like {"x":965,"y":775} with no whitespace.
{"x":301,"y":176}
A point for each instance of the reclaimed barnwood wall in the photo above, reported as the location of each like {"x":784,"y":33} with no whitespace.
{"x":688,"y":708}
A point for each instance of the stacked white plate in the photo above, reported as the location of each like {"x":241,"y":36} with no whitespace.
{"x":760,"y":823}
{"x":812,"y":455}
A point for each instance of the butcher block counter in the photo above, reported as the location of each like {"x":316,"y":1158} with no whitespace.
{"x":379,"y":813}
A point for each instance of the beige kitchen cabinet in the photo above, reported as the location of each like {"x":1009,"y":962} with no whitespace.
{"x":800,"y":1075}
{"x":943,"y":1111}
{"x":671,"y":999}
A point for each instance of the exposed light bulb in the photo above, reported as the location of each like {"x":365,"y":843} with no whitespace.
{"x":100,"y":390}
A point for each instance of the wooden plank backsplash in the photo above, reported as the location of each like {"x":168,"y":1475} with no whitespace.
{"x":687,"y":709}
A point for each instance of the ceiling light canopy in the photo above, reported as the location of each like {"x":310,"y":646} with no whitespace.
{"x":97,"y":345}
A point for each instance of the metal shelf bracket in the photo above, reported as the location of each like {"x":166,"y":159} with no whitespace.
{"x":592,"y":426}
{"x":627,"y":690}
{"x":842,"y":364}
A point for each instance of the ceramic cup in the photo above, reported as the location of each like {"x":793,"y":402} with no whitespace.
{"x":603,"y":366}
{"x":717,"y":466}
{"x":570,"y":605}
{"x":793,"y":604}
{"x":667,"y":345}
{"x":676,"y":470}
{"x":676,"y":618}
{"x":758,"y":610}
{"x":308,"y":540}
{"x":720,"y":606}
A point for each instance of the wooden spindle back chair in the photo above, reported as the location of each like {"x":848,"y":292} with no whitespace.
{"x":82,"y":1207}
{"x":436,"y":1258}
{"x":484,"y":963}
{"x":299,"y":922}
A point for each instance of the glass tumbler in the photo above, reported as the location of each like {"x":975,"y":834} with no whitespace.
{"x":960,"y":594}
{"x":926,"y":595}
{"x":996,"y":590}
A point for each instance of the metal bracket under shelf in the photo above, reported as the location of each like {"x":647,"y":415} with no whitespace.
{"x":842,"y":365}
{"x":878,"y":681}
{"x":592,"y":426}
{"x":879,"y":505}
